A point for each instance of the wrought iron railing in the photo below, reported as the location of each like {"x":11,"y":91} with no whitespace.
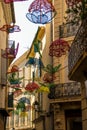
{"x":65,"y":90}
{"x":67,"y":30}
{"x":78,"y":46}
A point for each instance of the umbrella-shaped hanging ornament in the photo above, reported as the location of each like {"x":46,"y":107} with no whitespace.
{"x":43,"y":89}
{"x":13,"y":69}
{"x":49,"y":76}
{"x":17,"y":92}
{"x":41,"y":12}
{"x":14,"y":80}
{"x":31,"y":87}
{"x":12,"y":76}
{"x":10,"y":1}
{"x":58,"y":48}
{"x":25,"y":100}
{"x":14,"y":86}
{"x":10,"y":28}
{"x":10,"y":52}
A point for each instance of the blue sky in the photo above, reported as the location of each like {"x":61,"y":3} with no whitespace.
{"x":28,"y":29}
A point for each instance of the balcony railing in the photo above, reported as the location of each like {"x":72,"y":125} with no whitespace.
{"x":65,"y":90}
{"x":67,"y":30}
{"x":78,"y":47}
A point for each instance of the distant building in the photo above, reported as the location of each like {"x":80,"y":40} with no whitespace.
{"x":22,"y":120}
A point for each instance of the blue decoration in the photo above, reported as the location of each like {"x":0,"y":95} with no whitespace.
{"x":41,"y":12}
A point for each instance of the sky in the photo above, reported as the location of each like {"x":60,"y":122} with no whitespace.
{"x":28,"y":29}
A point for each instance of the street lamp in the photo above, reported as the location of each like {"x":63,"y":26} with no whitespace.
{"x":36,"y":106}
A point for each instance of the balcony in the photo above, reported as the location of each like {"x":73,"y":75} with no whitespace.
{"x":65,"y":91}
{"x":77,"y":59}
{"x":67,"y":30}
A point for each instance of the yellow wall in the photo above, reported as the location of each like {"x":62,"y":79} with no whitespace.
{"x":5,"y":18}
{"x":62,"y":75}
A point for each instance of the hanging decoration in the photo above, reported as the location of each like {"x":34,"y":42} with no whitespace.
{"x":13,"y":79}
{"x":34,"y":62}
{"x":13,"y":69}
{"x":38,"y":39}
{"x":11,"y":52}
{"x":17,"y":92}
{"x":10,"y":1}
{"x":23,"y":114}
{"x":31,"y":87}
{"x":43,"y":89}
{"x":24,"y":99}
{"x":76,"y":11}
{"x":48,"y":78}
{"x":41,"y":12}
{"x":36,"y":42}
{"x":10,"y":28}
{"x":58,"y":48}
{"x":50,"y":71}
{"x":22,"y":106}
{"x":15,"y":85}
{"x":12,"y":75}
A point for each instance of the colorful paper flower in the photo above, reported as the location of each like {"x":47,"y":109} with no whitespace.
{"x":31,"y":87}
{"x":43,"y":89}
{"x":41,"y":12}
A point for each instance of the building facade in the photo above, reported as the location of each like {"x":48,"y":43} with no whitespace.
{"x":63,"y":104}
{"x":6,"y":17}
{"x":23,"y":119}
{"x":67,"y":94}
